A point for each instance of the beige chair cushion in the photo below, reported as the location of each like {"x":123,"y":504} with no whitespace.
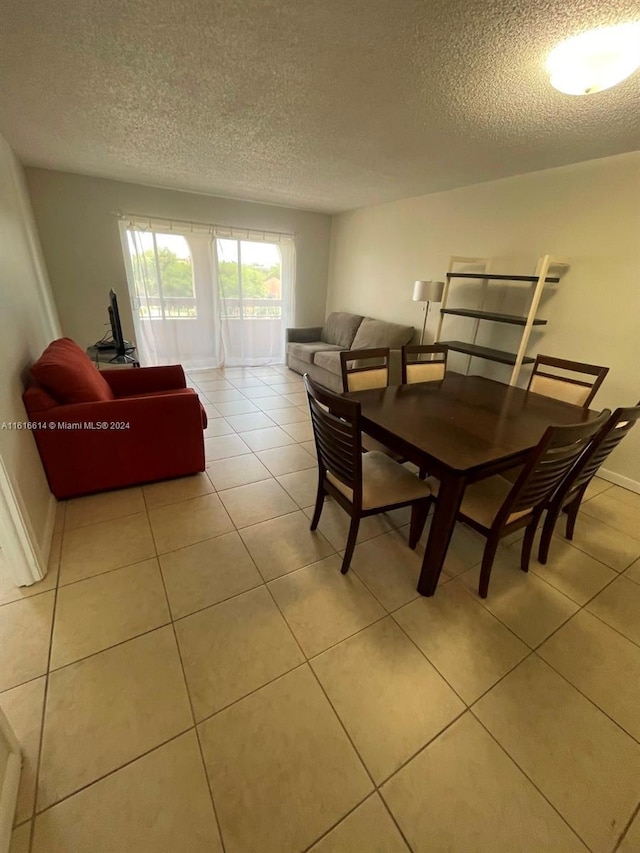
{"x":377,"y":377}
{"x":306,"y":352}
{"x":384,"y":483}
{"x":425,"y":372}
{"x":483,"y":499}
{"x":568,"y":392}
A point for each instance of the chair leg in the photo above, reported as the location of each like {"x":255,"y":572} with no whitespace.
{"x":487,"y":564}
{"x":547,"y":533}
{"x":423,"y":472}
{"x":572,"y":514}
{"x":419,"y":513}
{"x":572,"y":511}
{"x":527,"y":542}
{"x":351,"y":544}
{"x":319,"y":504}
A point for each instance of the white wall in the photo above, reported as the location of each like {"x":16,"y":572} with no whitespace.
{"x":28,"y":323}
{"x":78,"y":229}
{"x":589,"y":212}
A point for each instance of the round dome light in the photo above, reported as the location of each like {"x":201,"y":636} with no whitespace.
{"x":595,"y":60}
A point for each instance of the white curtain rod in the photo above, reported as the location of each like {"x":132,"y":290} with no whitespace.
{"x":141,"y":220}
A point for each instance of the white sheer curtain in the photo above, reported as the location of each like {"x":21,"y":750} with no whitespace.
{"x":256,"y":282}
{"x":206,"y":295}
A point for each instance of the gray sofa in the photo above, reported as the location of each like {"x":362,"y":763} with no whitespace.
{"x":316,"y":350}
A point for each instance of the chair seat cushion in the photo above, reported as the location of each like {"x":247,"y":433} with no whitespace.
{"x":329,"y":361}
{"x":307,"y":351}
{"x":483,"y":499}
{"x":69,"y":375}
{"x":384,"y":483}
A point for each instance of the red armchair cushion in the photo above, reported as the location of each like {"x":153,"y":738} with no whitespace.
{"x":69,"y":374}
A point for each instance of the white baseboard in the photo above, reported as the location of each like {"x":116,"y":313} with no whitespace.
{"x":619,"y":480}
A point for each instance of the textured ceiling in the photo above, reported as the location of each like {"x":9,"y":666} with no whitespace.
{"x":327,"y":105}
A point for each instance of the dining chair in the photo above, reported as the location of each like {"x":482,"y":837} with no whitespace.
{"x":569,"y":494}
{"x":496,"y":507}
{"x":363,"y":369}
{"x":418,"y":368}
{"x":547,"y":378}
{"x":363,"y":484}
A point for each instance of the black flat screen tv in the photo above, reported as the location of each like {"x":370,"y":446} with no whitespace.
{"x":121,"y":346}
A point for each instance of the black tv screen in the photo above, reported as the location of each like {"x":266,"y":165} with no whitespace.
{"x":116,"y":325}
{"x":123,"y":348}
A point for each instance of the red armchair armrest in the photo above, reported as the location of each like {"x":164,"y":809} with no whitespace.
{"x":97,"y":446}
{"x":145,"y":380}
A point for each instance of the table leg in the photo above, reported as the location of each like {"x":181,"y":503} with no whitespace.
{"x":444,"y":519}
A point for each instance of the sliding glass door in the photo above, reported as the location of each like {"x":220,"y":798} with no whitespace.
{"x":251,"y":300}
{"x":210,"y":298}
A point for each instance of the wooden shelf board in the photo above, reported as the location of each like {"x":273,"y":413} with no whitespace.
{"x":486,"y":276}
{"x":490,"y":354}
{"x":514,"y":319}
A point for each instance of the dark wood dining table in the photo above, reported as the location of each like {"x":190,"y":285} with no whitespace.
{"x":462,"y":429}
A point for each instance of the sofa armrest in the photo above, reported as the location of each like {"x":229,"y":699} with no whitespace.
{"x":145,"y":380}
{"x":303,"y":335}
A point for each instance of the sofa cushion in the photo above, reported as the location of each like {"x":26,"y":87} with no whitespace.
{"x":340,"y":329}
{"x":329,"y":360}
{"x":306,"y":352}
{"x":69,"y":375}
{"x":378,"y":333}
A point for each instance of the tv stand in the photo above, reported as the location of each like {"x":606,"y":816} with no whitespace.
{"x":110,"y":358}
{"x":125,"y":358}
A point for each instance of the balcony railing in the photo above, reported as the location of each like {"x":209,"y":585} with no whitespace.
{"x":175,"y":308}
{"x":185,"y":308}
{"x":251,"y":309}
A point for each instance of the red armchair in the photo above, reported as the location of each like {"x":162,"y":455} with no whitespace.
{"x":111,"y":429}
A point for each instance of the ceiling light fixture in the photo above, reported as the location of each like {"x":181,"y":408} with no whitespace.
{"x":595,"y":60}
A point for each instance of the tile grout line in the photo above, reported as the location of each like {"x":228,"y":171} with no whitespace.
{"x":626,"y":828}
{"x":186,"y":687}
{"x":112,"y":772}
{"x":588,"y":698}
{"x":45,"y":697}
{"x":344,"y":729}
{"x":529,"y":779}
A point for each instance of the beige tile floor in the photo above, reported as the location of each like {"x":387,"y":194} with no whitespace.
{"x":195,"y":674}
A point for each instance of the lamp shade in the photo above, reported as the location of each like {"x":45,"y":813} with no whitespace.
{"x":428,"y":291}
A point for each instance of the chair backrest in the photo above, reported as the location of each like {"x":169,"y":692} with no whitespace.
{"x":549,"y":379}
{"x":336,"y":430}
{"x":424,"y":362}
{"x":357,"y":376}
{"x":548,"y":463}
{"x":606,"y":440}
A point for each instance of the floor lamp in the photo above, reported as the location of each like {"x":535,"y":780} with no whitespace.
{"x":427,"y":291}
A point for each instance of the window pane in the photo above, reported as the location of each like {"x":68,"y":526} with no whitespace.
{"x":261,"y":277}
{"x":174,"y":296}
{"x":228,"y":268}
